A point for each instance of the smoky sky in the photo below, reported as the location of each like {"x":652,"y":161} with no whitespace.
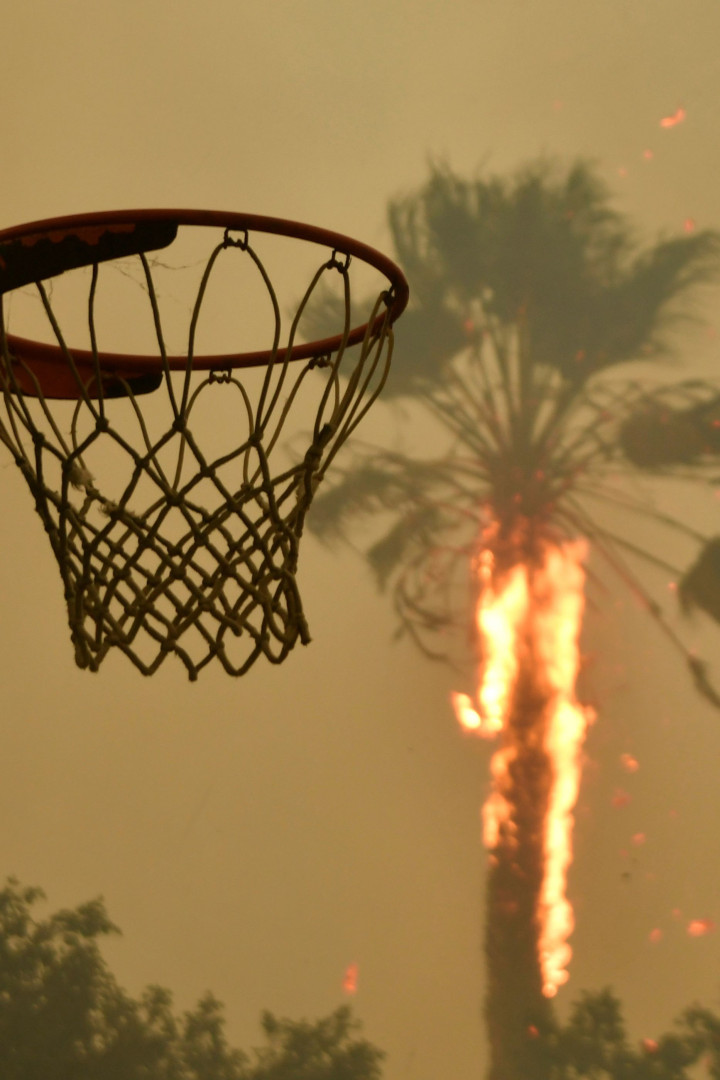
{"x":258,"y":836}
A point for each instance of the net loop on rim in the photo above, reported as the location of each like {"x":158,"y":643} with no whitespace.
{"x":176,"y":532}
{"x":242,"y":244}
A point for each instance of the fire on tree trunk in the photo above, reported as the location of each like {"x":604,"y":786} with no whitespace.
{"x":528,"y":619}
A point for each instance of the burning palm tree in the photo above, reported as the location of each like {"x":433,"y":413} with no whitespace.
{"x":530,"y":293}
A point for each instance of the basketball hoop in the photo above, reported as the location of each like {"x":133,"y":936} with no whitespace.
{"x":166,"y":541}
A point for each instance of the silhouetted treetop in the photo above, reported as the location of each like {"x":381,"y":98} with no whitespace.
{"x":64,"y":1017}
{"x":543,"y":251}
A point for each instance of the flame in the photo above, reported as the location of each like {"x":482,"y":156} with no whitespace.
{"x":539,"y":611}
{"x":499,"y":617}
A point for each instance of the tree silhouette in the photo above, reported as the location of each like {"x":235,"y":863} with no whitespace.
{"x":530,"y":293}
{"x":64,"y":1017}
{"x":593,"y":1044}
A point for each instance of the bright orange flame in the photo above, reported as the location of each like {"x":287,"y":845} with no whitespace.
{"x":499,"y":616}
{"x":546,"y":605}
{"x":558,"y":631}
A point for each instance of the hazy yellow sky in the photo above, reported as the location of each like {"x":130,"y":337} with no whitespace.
{"x":256,"y":836}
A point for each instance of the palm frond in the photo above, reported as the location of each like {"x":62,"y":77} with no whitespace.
{"x":416,"y":530}
{"x":528,"y":294}
{"x":381,"y":481}
{"x":700,"y":586}
{"x":668,"y":428}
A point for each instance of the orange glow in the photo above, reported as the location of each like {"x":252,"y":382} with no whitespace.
{"x":534,"y":611}
{"x":559,"y":622}
{"x":649,"y":1046}
{"x":655,"y":935}
{"x":629,"y":763}
{"x":498,"y":617}
{"x":350,"y":979}
{"x":676,"y":118}
{"x":699,"y":927}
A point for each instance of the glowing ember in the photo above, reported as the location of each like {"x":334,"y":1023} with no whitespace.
{"x":649,"y":1046}
{"x":639,"y":838}
{"x":700,"y":927}
{"x":350,"y":979}
{"x":620,"y":799}
{"x":655,"y":935}
{"x":689,"y":224}
{"x":672,"y":121}
{"x":538,"y":612}
{"x":629,"y":763}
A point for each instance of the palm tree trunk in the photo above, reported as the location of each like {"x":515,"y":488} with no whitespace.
{"x":535,"y":775}
{"x":517,"y":1013}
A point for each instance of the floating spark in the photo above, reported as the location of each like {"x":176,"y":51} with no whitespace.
{"x":699,"y":927}
{"x":534,"y":612}
{"x":350,"y":979}
{"x":629,"y":763}
{"x":672,"y":121}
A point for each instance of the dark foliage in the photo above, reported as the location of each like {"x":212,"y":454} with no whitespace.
{"x":544,"y":249}
{"x":528,"y":293}
{"x":594,"y":1045}
{"x":700,"y":587}
{"x":64,"y":1017}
